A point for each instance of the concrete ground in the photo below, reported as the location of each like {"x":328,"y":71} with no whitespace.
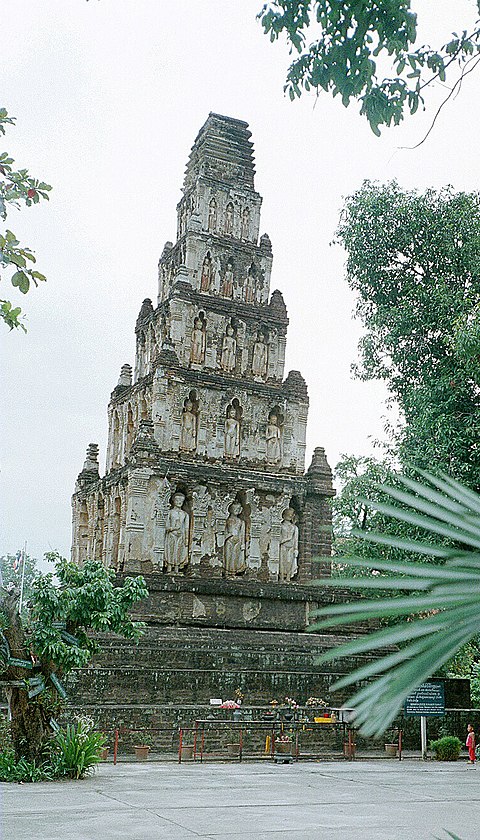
{"x":361,"y":800}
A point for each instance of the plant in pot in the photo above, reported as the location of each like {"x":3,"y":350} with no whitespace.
{"x":283,"y":744}
{"x":447,"y":748}
{"x":291,"y":708}
{"x":143,"y":748}
{"x":391,"y":744}
{"x":187,"y":752}
{"x":271,"y":715}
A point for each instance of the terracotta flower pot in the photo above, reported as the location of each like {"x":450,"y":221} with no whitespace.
{"x":141,"y":752}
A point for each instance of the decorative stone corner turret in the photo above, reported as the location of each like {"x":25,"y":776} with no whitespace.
{"x":146,"y":311}
{"x":277,"y":304}
{"x":90,"y":470}
{"x":145,"y":450}
{"x":125,"y":378}
{"x":295,"y":385}
{"x":319,"y":474}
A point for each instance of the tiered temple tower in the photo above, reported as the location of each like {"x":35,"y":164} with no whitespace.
{"x":206,"y":447}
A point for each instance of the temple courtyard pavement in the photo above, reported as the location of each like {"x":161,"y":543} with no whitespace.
{"x":361,"y":800}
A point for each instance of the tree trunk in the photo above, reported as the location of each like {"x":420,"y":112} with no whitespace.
{"x":29,"y":723}
{"x":29,"y":726}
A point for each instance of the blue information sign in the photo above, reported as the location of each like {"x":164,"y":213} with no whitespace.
{"x":428,"y":700}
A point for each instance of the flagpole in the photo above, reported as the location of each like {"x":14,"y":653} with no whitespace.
{"x":20,"y":604}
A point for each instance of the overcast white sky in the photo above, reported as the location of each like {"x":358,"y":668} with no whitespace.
{"x":109,"y":97}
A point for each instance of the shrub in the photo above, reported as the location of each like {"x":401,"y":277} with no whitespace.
{"x":76,"y":750}
{"x":23,"y":770}
{"x":446,"y":749}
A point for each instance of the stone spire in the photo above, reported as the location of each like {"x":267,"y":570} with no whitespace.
{"x":222,"y":151}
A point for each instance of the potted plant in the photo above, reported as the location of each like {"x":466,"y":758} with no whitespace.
{"x":391,"y":744}
{"x":283,"y":744}
{"x":187,"y":752}
{"x":292,"y":706}
{"x":143,"y":748}
{"x":271,"y":715}
{"x":282,"y":752}
{"x":231,"y":706}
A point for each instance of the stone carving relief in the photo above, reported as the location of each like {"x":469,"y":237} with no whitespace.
{"x":250,"y":610}
{"x":251,"y":284}
{"x":229,"y":219}
{"x":197,"y":351}
{"x":234,"y":545}
{"x":217,"y":275}
{"x":288,"y":566}
{"x":208,"y":541}
{"x":207,"y":272}
{"x":188,"y":429}
{"x":229,"y":350}
{"x":212,"y":215}
{"x":232,"y":430}
{"x":226,"y":289}
{"x":245,"y":231}
{"x":177,"y":527}
{"x":274,"y":437}
{"x":260,"y":356}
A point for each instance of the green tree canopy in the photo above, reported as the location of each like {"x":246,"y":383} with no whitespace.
{"x":414,"y":262}
{"x":345,"y":47}
{"x":11,"y":568}
{"x":55,"y":636}
{"x":17,"y":187}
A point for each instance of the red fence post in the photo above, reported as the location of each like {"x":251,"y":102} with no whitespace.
{"x":115,"y":747}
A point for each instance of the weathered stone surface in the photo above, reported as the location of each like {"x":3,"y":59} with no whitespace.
{"x":205,"y":489}
{"x":208,"y":415}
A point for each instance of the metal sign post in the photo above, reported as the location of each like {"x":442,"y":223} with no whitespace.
{"x":423,"y":736}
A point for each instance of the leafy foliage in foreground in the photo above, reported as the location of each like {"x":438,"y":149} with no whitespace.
{"x":23,"y":770}
{"x":72,"y":752}
{"x":338,"y":44}
{"x":78,"y":749}
{"x":439,"y":604}
{"x":17,"y":187}
{"x":54,"y":636}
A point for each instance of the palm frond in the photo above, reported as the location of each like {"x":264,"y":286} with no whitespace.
{"x":448,"y":594}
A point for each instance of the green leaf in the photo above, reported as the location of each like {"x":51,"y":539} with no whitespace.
{"x":442,"y":617}
{"x":21,"y":280}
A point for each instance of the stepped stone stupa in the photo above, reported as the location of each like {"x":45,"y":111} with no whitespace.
{"x":206,"y":445}
{"x":205,"y":491}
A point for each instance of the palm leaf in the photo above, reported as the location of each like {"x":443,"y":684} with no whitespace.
{"x":449,"y":594}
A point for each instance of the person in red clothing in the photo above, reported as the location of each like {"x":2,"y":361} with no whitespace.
{"x":470,"y":743}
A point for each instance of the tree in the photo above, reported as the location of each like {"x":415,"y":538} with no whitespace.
{"x":11,"y":569}
{"x":17,"y":187}
{"x":349,"y":37}
{"x":414,"y":261}
{"x":438,"y":618}
{"x":56,"y":637}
